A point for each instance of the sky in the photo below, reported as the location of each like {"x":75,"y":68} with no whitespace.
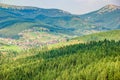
{"x":72,"y":6}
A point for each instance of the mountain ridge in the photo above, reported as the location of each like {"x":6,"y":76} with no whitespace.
{"x":52,"y":21}
{"x":3,"y":5}
{"x":108,"y":8}
{"x":15,"y":7}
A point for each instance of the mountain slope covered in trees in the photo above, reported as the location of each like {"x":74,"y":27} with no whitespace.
{"x":95,"y":60}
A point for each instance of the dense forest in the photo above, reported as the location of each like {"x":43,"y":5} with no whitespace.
{"x":85,"y":61}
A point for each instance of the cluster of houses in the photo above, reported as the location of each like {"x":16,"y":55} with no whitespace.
{"x":29,"y":43}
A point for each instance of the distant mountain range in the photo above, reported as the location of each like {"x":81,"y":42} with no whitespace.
{"x":15,"y":20}
{"x":106,"y":18}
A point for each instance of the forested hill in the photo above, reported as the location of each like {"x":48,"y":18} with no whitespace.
{"x":92,"y":61}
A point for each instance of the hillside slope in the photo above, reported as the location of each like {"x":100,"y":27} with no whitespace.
{"x":100,"y":36}
{"x":109,"y":35}
{"x":93,"y":61}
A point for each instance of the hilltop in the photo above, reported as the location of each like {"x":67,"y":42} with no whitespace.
{"x":108,"y":8}
{"x":106,"y":18}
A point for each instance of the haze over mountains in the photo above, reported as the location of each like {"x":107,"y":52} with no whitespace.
{"x":18,"y":22}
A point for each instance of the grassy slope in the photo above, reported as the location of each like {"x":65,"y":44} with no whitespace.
{"x":10,"y":48}
{"x":109,"y":35}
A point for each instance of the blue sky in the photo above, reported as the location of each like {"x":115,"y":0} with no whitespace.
{"x":73,"y":6}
